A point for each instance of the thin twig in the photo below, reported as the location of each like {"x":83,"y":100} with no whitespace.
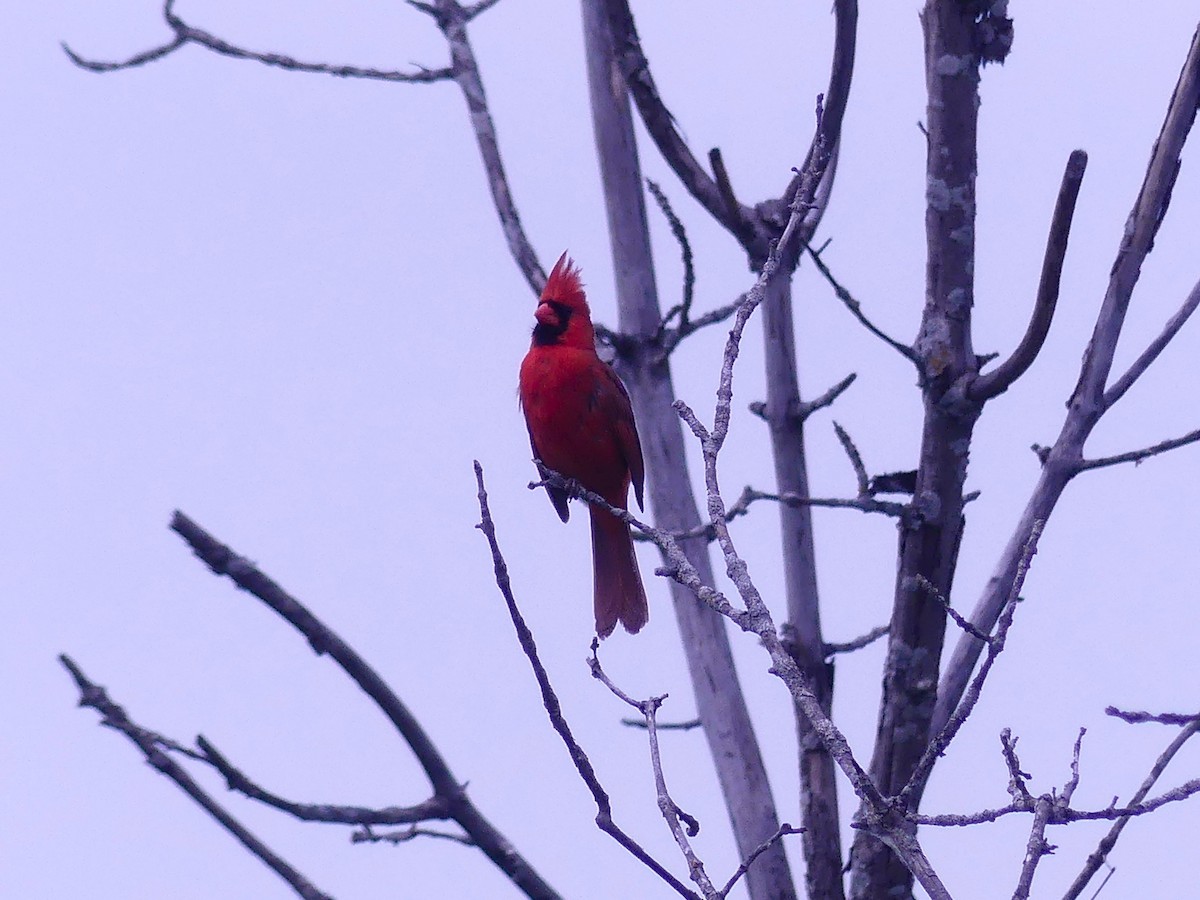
{"x":583,"y":765}
{"x":855,"y":308}
{"x":931,"y":589}
{"x":186,"y":34}
{"x":435,"y":808}
{"x":784,"y":830}
{"x":1016,"y":775}
{"x":685,"y":725}
{"x":366,"y":836}
{"x":1154,"y":348}
{"x":1002,"y":377}
{"x":995,"y":646}
{"x":859,"y":642}
{"x":1136,"y":456}
{"x":115,"y":717}
{"x":681,"y":825}
{"x":451,"y":19}
{"x":684,"y":308}
{"x":826,"y":399}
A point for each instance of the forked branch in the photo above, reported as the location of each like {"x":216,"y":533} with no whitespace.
{"x":151,"y":744}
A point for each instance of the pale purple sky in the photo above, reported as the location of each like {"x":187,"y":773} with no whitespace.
{"x":282,"y":304}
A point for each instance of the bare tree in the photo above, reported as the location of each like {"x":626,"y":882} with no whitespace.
{"x":923,"y":703}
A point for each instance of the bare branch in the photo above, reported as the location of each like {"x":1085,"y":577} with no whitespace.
{"x":784,"y":829}
{"x":826,"y":399}
{"x":138,"y":59}
{"x":685,"y":725}
{"x":583,"y":765}
{"x":474,"y":9}
{"x":496,"y":846}
{"x":1016,"y":776}
{"x":1139,"y":716}
{"x":856,"y":463}
{"x":1150,"y":354}
{"x":115,"y":717}
{"x":681,"y":825}
{"x":684,"y":308}
{"x":954,"y":614}
{"x":1098,"y":857}
{"x":1002,"y":377}
{"x":452,"y":19}
{"x":1149,"y":210}
{"x":1060,"y":463}
{"x":855,"y":308}
{"x":859,"y":642}
{"x":995,"y":646}
{"x":1136,"y":456}
{"x":186,"y":34}
{"x":1036,"y":847}
{"x":366,"y":836}
{"x":433,"y":808}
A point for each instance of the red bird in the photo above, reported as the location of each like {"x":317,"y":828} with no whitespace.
{"x":581,"y":426}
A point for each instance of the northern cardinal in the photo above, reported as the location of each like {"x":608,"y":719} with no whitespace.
{"x":581,"y":426}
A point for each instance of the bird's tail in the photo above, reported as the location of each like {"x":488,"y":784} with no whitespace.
{"x":619,"y":595}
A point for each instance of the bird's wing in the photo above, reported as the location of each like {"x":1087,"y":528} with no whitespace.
{"x":614,"y":402}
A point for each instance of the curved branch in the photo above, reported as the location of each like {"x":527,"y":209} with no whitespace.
{"x":1002,"y":377}
{"x":498,"y":848}
{"x":138,"y":59}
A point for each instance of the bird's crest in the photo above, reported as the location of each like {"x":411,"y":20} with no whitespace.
{"x":564,"y":285}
